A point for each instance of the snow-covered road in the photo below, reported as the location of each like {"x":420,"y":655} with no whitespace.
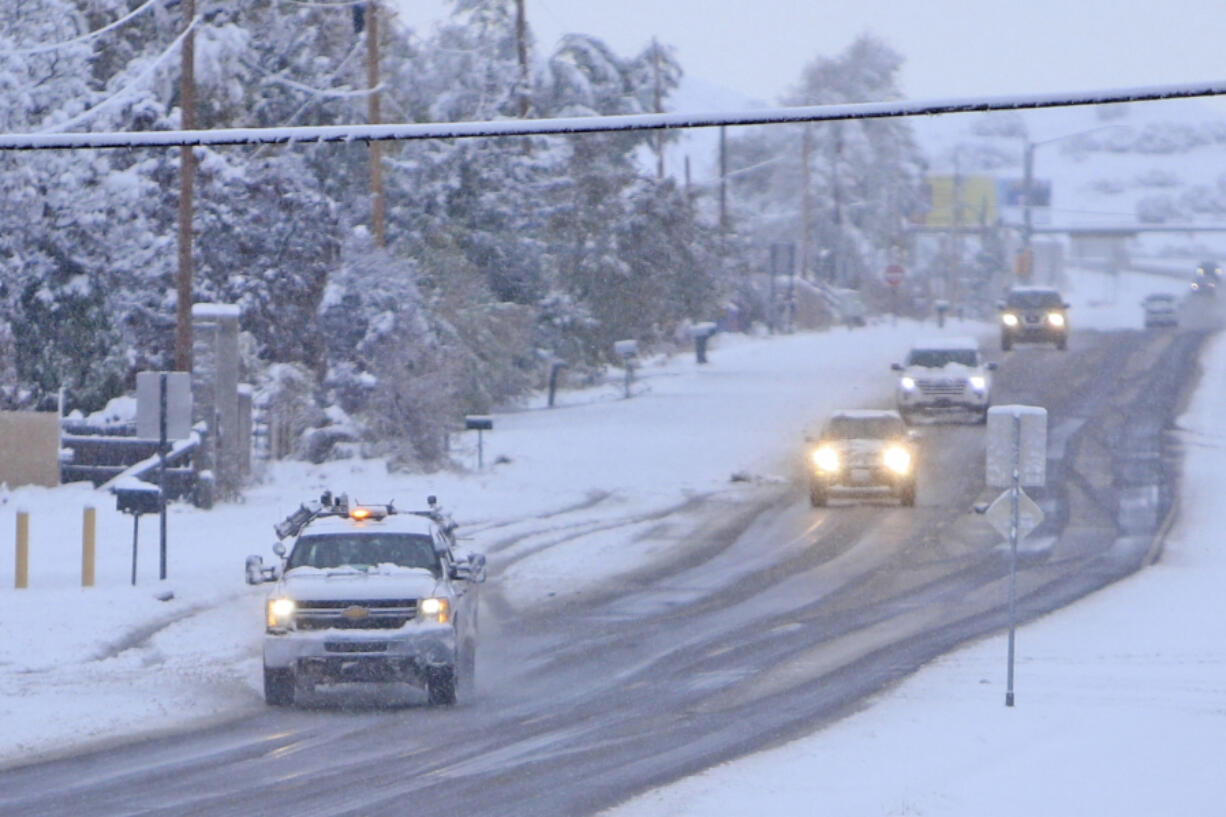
{"x":78,"y":666}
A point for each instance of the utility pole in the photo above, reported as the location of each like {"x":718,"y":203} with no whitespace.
{"x":372,"y":82}
{"x":659,"y":107}
{"x":1027,"y":225}
{"x":806,"y":199}
{"x":835,"y":156}
{"x":723,"y":183}
{"x":955,"y":240}
{"x":187,"y":177}
{"x":521,"y":46}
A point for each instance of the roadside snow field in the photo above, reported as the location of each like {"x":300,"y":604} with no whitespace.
{"x":82,"y":666}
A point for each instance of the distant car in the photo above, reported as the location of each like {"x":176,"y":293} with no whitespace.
{"x":1033,"y":315}
{"x":944,"y":376}
{"x":1208,"y":276}
{"x":1160,"y":310}
{"x":862,"y":452}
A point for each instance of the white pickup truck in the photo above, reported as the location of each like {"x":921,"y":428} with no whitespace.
{"x":368,"y":593}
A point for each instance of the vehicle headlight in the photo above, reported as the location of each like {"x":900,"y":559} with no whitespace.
{"x":826,"y":458}
{"x":906,"y":383}
{"x":437,"y":610}
{"x":1055,"y":319}
{"x":1009,"y":319}
{"x":281,"y":613}
{"x":897,"y":459}
{"x":978,"y":382}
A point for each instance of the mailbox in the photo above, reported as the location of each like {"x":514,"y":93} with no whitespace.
{"x":701,"y":333}
{"x":626,"y":348}
{"x":479,"y":422}
{"x":138,"y":500}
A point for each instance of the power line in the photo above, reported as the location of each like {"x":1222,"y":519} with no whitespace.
{"x":42,"y":49}
{"x":601,"y":124}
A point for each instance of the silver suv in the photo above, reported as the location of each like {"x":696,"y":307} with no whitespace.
{"x":368,"y":593}
{"x":945,"y":376}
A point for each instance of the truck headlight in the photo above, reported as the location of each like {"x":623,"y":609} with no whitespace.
{"x":897,"y":459}
{"x":435,"y":610}
{"x":826,"y":459}
{"x":281,"y":613}
{"x":978,"y":382}
{"x":1055,"y":319}
{"x":1009,"y":319}
{"x":906,"y":383}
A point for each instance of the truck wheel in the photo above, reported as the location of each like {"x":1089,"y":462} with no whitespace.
{"x":278,"y":687}
{"x":440,"y":686}
{"x":906,"y":494}
{"x":1062,"y":343}
{"x":1006,"y":343}
{"x":817,"y":496}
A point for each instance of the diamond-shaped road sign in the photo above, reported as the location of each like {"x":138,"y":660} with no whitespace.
{"x":1000,"y":514}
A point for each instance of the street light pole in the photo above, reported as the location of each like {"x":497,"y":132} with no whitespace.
{"x":1025,"y":267}
{"x":1027,"y":182}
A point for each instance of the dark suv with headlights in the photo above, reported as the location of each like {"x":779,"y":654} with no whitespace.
{"x":862,"y":452}
{"x":1033,"y":315}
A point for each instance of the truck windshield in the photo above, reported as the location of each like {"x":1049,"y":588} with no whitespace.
{"x":870,"y":428}
{"x":327,"y":550}
{"x":937,"y":358}
{"x":1033,"y":299}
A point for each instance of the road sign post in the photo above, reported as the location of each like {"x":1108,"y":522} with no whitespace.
{"x":1016,"y":456}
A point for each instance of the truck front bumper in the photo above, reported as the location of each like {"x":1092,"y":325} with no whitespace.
{"x":341,"y":656}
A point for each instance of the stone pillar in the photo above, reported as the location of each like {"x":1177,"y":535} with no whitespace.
{"x":215,"y":393}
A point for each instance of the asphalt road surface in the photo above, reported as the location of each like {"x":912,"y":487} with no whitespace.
{"x":771,"y":621}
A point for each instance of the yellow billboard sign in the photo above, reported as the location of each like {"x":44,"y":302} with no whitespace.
{"x":960,"y":200}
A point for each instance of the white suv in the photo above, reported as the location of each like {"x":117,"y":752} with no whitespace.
{"x":368,"y":593}
{"x":944,"y":376}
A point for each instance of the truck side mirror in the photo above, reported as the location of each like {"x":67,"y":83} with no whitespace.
{"x":471,"y":569}
{"x":255,"y":570}
{"x":991,"y":367}
{"x":896,"y":367}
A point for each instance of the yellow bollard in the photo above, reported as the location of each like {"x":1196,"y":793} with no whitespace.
{"x":23,"y":551}
{"x":88,"y":527}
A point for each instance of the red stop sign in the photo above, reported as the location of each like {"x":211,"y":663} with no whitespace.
{"x":894,"y":274}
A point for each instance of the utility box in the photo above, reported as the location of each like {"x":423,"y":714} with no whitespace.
{"x":149,"y":405}
{"x":1016,"y":435}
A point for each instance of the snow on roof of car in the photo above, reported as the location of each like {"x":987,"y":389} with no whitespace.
{"x":956,"y":342}
{"x":864,"y":414}
{"x":1034,"y":289}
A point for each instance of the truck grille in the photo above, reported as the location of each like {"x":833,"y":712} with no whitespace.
{"x":355,"y":646}
{"x":374,"y":614}
{"x":942,"y":388}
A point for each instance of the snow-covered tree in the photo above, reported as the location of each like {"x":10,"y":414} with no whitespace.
{"x":863,"y":176}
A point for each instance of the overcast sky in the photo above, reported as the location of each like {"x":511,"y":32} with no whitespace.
{"x":952,"y":47}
